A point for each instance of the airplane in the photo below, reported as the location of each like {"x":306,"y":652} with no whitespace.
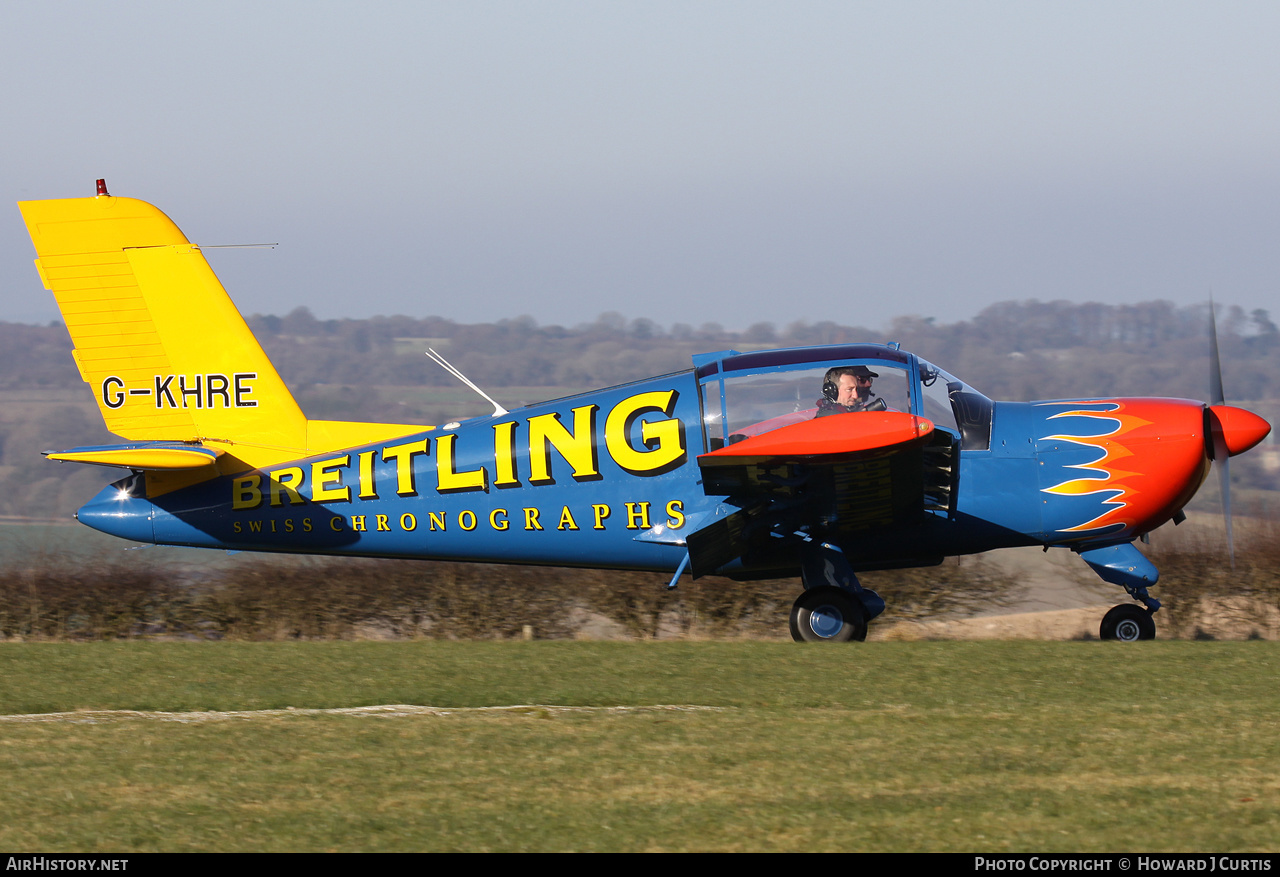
{"x":723,"y":468}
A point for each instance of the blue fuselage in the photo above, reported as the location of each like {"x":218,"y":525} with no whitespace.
{"x":609,"y":479}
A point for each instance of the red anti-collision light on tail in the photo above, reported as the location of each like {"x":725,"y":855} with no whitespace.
{"x":1240,"y":429}
{"x":102,"y":187}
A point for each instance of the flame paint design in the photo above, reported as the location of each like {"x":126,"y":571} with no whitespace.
{"x":1143,"y":459}
{"x":1100,"y":477}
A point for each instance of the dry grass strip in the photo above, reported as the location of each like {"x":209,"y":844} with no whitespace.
{"x":93,"y":717}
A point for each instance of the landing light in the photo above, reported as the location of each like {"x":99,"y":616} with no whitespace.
{"x":122,"y":493}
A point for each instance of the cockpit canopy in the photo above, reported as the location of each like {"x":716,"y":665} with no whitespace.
{"x":746,"y":394}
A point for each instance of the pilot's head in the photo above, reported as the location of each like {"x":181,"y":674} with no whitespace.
{"x":847,"y":384}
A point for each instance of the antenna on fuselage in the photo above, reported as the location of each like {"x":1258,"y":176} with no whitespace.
{"x":439,"y":360}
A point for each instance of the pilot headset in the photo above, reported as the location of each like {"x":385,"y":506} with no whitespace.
{"x":829,"y":389}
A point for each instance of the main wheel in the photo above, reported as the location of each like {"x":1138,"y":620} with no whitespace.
{"x":1127,"y":623}
{"x":827,"y":615}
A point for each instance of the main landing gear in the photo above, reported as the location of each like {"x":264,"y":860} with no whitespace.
{"x":827,"y":614}
{"x":834,"y":608}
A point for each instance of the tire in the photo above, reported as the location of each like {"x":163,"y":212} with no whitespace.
{"x":1127,"y":623}
{"x":827,"y":615}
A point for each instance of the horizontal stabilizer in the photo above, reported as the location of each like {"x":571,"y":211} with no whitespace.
{"x":141,"y":455}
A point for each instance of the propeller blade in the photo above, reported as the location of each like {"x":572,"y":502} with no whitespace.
{"x":1221,"y":454}
{"x":1221,"y":460}
{"x":1215,"y":363}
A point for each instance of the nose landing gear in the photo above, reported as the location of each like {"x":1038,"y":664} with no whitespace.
{"x":1127,"y":623}
{"x":1126,"y":566}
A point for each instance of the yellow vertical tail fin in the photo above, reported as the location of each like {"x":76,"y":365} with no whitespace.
{"x":168,"y":356}
{"x":156,"y":336}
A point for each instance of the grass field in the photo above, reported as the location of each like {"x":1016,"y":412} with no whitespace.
{"x":985,"y":746}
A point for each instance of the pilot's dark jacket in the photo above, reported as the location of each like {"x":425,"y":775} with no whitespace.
{"x":826,"y":407}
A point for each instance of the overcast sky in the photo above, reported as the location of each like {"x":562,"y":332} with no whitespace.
{"x":688,"y":162}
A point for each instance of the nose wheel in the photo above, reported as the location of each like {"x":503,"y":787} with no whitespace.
{"x":828,"y":615}
{"x":1127,"y":623}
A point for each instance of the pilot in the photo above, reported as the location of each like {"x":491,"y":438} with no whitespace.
{"x":848,"y":388}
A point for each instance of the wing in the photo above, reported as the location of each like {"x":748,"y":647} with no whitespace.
{"x":830,"y":478}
